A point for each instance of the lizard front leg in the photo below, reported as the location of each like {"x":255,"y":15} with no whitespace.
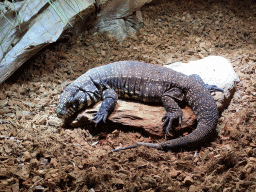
{"x":110,"y":98}
{"x":173,"y":111}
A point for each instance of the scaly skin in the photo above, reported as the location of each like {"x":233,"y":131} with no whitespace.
{"x":148,"y":83}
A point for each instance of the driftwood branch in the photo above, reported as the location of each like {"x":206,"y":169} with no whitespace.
{"x":137,"y":115}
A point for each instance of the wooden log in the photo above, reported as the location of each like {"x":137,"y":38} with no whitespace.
{"x":137,"y":115}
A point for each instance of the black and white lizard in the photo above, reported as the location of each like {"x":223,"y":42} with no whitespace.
{"x":148,"y":83}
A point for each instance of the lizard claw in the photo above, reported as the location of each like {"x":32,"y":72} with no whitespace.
{"x":106,"y":108}
{"x":167,"y":122}
{"x":169,"y":118}
{"x":99,"y":116}
{"x":180,"y":121}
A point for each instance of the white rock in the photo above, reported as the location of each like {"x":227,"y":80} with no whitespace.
{"x":214,"y":70}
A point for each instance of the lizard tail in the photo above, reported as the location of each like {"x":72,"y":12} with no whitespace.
{"x":201,"y":134}
{"x":203,"y":131}
{"x":151,"y":145}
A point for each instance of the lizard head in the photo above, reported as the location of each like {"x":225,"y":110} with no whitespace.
{"x":71,"y":100}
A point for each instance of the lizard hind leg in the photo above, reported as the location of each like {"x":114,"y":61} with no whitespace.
{"x":211,"y":88}
{"x":173,"y":111}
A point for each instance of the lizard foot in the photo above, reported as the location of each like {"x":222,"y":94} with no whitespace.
{"x":106,"y":108}
{"x":100,"y":116}
{"x":213,"y":88}
{"x":169,"y":118}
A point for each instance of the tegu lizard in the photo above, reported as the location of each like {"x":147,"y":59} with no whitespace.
{"x":147,"y":83}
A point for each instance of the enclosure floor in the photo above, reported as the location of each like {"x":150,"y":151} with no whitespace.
{"x":35,"y":151}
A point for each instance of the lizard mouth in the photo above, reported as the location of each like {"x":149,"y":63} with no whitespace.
{"x":64,"y":113}
{"x":60,"y":112}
